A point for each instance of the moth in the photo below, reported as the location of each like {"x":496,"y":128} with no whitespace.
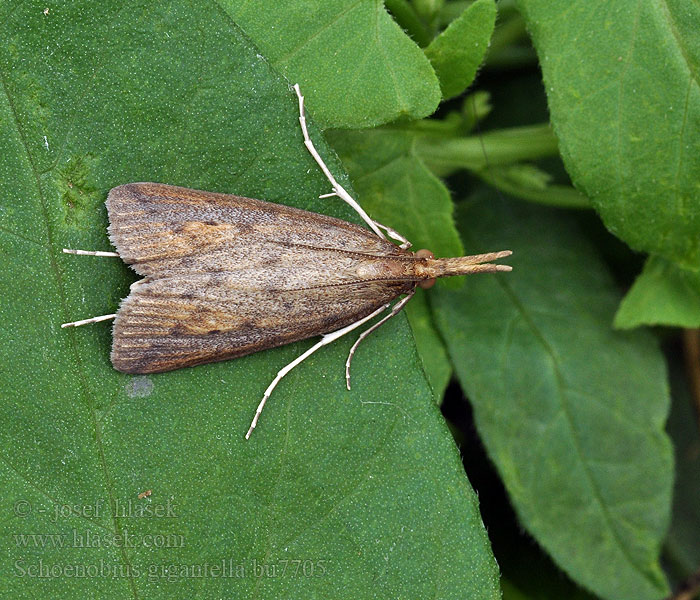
{"x":225,"y":276}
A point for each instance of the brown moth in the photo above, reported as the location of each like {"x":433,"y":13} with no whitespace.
{"x":225,"y":276}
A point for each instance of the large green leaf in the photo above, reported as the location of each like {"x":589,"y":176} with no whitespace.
{"x":360,"y":491}
{"x":357,"y":65}
{"x":622,"y":80}
{"x":571,"y":411}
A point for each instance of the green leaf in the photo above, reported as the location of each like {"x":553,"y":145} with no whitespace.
{"x":622,"y":82}
{"x":357,"y":66}
{"x":571,"y":411}
{"x":361,"y":491}
{"x":663,"y":294}
{"x":458,"y":51}
{"x":396,"y":188}
{"x":431,"y":350}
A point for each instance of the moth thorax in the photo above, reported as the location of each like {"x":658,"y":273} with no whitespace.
{"x":380,"y":268}
{"x":425,"y":283}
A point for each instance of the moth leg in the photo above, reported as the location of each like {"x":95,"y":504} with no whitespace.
{"x":89,"y":252}
{"x":395,"y":310}
{"x":88,"y":321}
{"x":338,"y":189}
{"x":327,"y":338}
{"x":395,"y":235}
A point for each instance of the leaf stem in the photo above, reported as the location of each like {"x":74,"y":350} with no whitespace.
{"x":561,"y":196}
{"x":501,"y":147}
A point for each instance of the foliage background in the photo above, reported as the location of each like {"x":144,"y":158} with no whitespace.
{"x":576,"y":147}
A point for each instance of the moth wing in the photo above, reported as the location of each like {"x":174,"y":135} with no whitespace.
{"x":173,"y":322}
{"x":163,"y":230}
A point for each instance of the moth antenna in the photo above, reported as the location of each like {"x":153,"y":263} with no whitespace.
{"x":338,"y":190}
{"x":397,"y":308}
{"x":88,"y":321}
{"x":326,"y":338}
{"x":90,"y":252}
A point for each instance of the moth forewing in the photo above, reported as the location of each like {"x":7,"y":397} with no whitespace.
{"x":226,"y":275}
{"x":178,"y":321}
